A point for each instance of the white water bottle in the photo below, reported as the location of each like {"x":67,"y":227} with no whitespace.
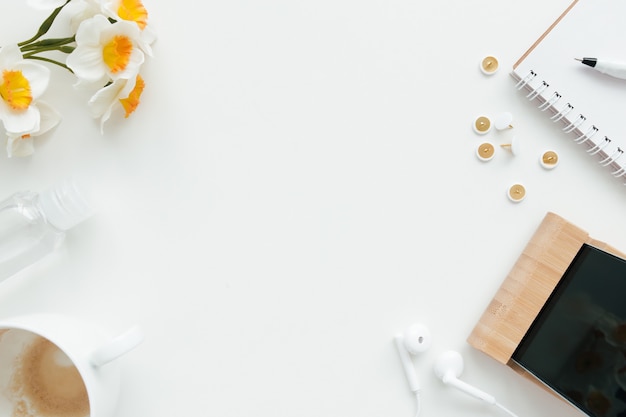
{"x":32,"y":224}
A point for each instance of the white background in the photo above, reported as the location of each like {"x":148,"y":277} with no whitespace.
{"x":298,"y":185}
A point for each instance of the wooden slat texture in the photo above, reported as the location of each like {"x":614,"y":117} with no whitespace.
{"x":525,"y":290}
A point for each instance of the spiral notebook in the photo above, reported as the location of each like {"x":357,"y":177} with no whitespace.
{"x":588,"y":106}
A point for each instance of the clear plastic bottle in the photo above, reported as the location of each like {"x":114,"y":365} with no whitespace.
{"x":33,"y":224}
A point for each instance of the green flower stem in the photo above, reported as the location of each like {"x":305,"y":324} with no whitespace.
{"x":63,"y":45}
{"x":33,"y":46}
{"x":45,"y":26}
{"x":52,"y":61}
{"x":46,"y":44}
{"x":64,"y":49}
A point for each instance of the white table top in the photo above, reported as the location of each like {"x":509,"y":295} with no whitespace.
{"x":299,"y":184}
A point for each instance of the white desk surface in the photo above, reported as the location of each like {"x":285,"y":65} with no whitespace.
{"x":298,"y":185}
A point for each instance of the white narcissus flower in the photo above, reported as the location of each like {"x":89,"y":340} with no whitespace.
{"x":106,"y":51}
{"x":118,"y":10}
{"x":81,"y":10}
{"x":131,"y":11}
{"x":120,"y":93}
{"x":45,"y":4}
{"x":22,"y":145}
{"x":21,"y":85}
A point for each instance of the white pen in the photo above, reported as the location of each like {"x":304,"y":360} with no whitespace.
{"x":614,"y":69}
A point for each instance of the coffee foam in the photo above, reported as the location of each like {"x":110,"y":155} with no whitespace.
{"x":44,"y":382}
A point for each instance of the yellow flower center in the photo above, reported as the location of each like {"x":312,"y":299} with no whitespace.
{"x":133,"y":11}
{"x":15,"y":90}
{"x":131,"y":102}
{"x":116,"y":53}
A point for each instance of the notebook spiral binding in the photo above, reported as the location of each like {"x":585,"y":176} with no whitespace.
{"x":602,"y":147}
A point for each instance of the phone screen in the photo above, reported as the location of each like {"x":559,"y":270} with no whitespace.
{"x":577,"y":343}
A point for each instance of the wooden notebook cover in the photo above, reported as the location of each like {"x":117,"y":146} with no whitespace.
{"x":527,"y":287}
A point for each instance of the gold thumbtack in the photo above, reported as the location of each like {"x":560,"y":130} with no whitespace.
{"x":489,"y":65}
{"x":516,"y":193}
{"x":485,"y":151}
{"x":482,"y":125}
{"x":503,"y":121}
{"x":549,"y":159}
{"x":513,"y":146}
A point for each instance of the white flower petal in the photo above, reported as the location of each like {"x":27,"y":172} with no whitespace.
{"x":108,"y":98}
{"x":49,"y":119}
{"x":144,"y":45}
{"x":123,"y":27}
{"x":109,"y":7}
{"x":87,"y":63}
{"x":45,"y":4}
{"x":104,"y":101}
{"x":105,"y":98}
{"x":10,"y":55}
{"x":96,"y":4}
{"x":149,"y":36}
{"x":22,"y":144}
{"x":89,"y":30}
{"x":20,"y":122}
{"x":38,"y":76}
{"x":81,"y":10}
{"x":19,"y":146}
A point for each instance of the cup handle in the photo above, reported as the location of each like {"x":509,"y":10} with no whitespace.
{"x":117,"y":346}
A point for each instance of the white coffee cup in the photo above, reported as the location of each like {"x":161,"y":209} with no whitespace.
{"x":60,"y":352}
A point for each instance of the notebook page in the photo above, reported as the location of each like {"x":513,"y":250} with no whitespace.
{"x":592,"y":106}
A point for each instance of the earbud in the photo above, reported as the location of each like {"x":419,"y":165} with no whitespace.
{"x":415,"y":339}
{"x":449,"y":366}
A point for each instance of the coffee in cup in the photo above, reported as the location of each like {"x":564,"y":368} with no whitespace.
{"x":57,"y":366}
{"x":44,"y":381}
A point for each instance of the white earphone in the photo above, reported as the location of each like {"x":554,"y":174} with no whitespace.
{"x":448,"y":368}
{"x":415,"y":339}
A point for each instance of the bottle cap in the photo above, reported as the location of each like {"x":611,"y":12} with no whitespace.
{"x":65,"y":205}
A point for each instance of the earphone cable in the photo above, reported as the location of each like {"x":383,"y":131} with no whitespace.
{"x":506,"y":410}
{"x":418,"y":403}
